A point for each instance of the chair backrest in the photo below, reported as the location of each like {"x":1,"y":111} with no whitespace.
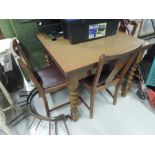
{"x":128,"y":26}
{"x":31,"y":75}
{"x":19,"y":51}
{"x":121,"y":66}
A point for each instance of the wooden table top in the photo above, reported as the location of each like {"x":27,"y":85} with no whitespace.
{"x":73,"y":57}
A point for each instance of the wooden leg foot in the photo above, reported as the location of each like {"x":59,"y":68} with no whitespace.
{"x":74,"y":95}
{"x":74,"y":115}
{"x":74,"y":104}
{"x":128,"y":83}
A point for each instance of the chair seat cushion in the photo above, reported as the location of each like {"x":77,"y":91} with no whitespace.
{"x":103,"y":77}
{"x":51,"y":76}
{"x":89,"y":80}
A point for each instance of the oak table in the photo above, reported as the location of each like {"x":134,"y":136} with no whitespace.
{"x":79,"y":60}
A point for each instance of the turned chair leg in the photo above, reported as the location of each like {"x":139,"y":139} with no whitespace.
{"x":116,"y":94}
{"x":46,"y":105}
{"x":92,"y":104}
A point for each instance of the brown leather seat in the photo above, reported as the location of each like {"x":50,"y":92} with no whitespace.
{"x":104,"y":74}
{"x":47,"y":80}
{"x":89,"y":80}
{"x":51,"y":76}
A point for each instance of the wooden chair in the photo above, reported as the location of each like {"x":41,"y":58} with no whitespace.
{"x":47,"y":80}
{"x":17,"y":48}
{"x":125,"y":24}
{"x":104,"y":79}
{"x":17,"y":51}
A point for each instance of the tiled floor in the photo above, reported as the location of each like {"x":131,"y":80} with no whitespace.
{"x":129,"y":116}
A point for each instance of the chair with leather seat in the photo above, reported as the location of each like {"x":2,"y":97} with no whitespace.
{"x":104,"y":78}
{"x":48,"y":80}
{"x":46,"y":73}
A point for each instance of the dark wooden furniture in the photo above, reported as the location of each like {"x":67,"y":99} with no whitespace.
{"x":79,"y":61}
{"x":47,"y":80}
{"x":105,"y":78}
{"x":17,"y":48}
{"x":130,"y":27}
{"x":125,"y":25}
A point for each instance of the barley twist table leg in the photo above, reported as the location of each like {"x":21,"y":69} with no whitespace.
{"x":74,"y":101}
{"x":73,"y":93}
{"x":128,"y":83}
